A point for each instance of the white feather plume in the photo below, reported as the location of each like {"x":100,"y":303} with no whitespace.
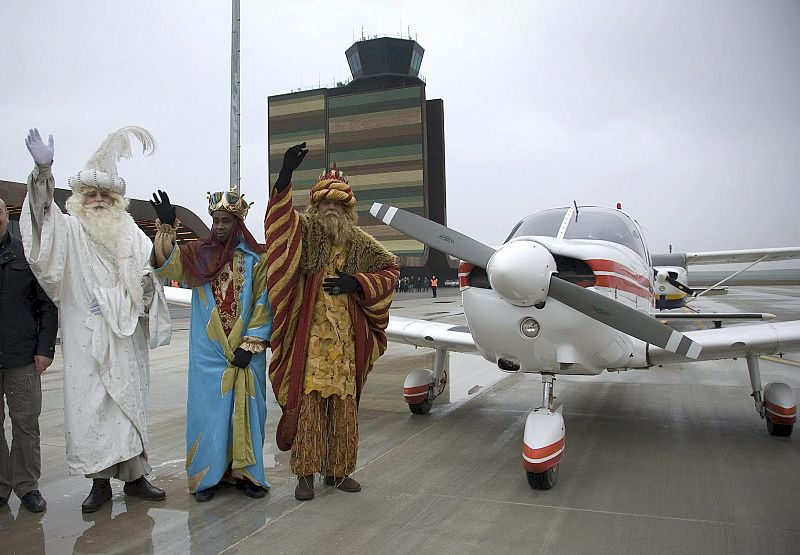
{"x":117,"y":146}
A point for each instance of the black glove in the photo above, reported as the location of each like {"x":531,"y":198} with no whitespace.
{"x":241,"y":358}
{"x":345,"y":283}
{"x":291,"y":160}
{"x":164,"y":209}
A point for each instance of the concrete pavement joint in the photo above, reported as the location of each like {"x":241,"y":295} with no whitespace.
{"x":613,"y":513}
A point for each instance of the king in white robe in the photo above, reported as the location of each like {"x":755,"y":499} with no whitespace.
{"x":106,"y":360}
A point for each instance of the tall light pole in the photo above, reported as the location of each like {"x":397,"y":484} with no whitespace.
{"x":235,"y":98}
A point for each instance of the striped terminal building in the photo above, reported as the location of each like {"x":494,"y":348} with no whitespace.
{"x":381,"y":131}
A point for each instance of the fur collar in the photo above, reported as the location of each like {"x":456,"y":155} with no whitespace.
{"x":364,"y":253}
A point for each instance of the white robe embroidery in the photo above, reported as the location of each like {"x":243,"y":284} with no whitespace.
{"x":106,"y":362}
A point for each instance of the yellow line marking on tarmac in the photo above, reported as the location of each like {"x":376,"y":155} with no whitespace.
{"x":780,"y":360}
{"x":700,"y":323}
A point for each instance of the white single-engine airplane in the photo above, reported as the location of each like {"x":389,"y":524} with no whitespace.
{"x":571,"y":291}
{"x":672,"y":271}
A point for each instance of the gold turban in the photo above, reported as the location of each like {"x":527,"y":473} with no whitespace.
{"x":332,"y":185}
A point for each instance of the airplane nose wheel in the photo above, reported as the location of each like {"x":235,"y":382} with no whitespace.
{"x":543,"y":480}
{"x":421,"y":408}
{"x":543,"y":441}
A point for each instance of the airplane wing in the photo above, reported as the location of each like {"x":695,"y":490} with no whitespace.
{"x":667,"y":316}
{"x":737,"y":341}
{"x":744,"y":255}
{"x":436,"y":335}
{"x":421,"y":333}
{"x":178,"y":295}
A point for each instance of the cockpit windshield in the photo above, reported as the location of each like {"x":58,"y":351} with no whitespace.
{"x":607,"y":225}
{"x":545,"y":223}
{"x":588,"y":222}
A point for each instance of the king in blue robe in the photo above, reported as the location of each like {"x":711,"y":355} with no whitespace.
{"x":231,"y":323}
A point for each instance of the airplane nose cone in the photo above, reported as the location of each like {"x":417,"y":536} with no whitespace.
{"x":520,"y":272}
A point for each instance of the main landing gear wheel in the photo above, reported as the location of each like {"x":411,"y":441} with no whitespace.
{"x":543,"y":480}
{"x":421,"y":408}
{"x":779,"y":430}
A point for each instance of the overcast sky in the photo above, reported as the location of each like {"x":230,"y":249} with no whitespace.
{"x":686,"y":112}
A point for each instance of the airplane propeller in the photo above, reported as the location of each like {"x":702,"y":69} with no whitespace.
{"x":545,"y":282}
{"x":662,"y":276}
{"x":678,"y":285}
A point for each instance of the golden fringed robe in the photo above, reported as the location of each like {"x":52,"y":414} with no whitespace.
{"x":297,"y":253}
{"x":330,"y":366}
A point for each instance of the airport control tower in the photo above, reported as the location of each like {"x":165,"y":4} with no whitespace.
{"x":379,"y":129}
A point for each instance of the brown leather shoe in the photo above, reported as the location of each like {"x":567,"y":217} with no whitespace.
{"x":144,"y":489}
{"x":101,"y":492}
{"x":345,"y":483}
{"x":305,"y":488}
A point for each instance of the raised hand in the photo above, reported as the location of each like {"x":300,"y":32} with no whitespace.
{"x":293,"y":157}
{"x":291,"y":160}
{"x":42,"y":153}
{"x":343,"y":283}
{"x":164,"y":209}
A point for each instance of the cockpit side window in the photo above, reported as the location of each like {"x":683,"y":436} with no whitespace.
{"x":545,"y":223}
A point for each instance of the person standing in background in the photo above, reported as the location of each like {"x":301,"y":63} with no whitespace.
{"x":28,"y":330}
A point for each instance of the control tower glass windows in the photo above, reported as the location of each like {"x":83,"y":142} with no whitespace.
{"x":416,"y":61}
{"x":354,"y":61}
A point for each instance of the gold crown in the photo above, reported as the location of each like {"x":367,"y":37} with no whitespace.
{"x":334,"y":174}
{"x":230,"y":201}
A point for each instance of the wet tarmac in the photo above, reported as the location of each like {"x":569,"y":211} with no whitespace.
{"x":674,"y":459}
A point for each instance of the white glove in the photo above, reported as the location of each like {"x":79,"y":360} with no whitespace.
{"x":94,"y":308}
{"x":42,"y":153}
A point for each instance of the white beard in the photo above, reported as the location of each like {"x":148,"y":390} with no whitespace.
{"x":112,"y":229}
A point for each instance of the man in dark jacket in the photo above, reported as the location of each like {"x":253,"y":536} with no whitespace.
{"x":27,"y":343}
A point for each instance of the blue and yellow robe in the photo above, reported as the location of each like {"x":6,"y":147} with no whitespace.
{"x":226,"y":407}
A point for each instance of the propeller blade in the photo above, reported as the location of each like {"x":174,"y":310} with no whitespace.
{"x":434,"y":235}
{"x":623,"y":318}
{"x":678,"y":285}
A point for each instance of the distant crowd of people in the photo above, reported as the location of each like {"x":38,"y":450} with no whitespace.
{"x":418,"y":284}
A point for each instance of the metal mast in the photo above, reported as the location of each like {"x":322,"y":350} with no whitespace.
{"x":235,"y":98}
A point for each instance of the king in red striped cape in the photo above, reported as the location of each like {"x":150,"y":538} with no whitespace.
{"x":330,"y":287}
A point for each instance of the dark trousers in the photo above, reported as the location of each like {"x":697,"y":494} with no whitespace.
{"x":20,"y":469}
{"x":434,"y":291}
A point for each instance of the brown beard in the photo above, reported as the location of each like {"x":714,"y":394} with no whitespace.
{"x":338,"y":229}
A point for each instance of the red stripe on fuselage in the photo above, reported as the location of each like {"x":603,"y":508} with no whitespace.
{"x":615,"y":282}
{"x":601,"y":265}
{"x":636,"y":284}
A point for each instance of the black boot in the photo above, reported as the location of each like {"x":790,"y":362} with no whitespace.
{"x":305,"y":488}
{"x":140,"y":487}
{"x":34,"y":501}
{"x":101,"y":492}
{"x":250,"y":489}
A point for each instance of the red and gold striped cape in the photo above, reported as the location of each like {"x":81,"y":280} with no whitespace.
{"x":297,"y":250}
